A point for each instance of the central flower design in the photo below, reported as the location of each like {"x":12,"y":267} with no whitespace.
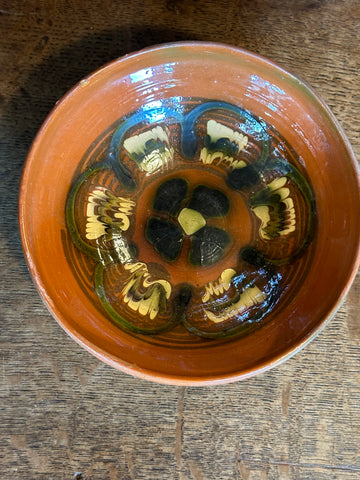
{"x":222,"y":193}
{"x":179,"y":216}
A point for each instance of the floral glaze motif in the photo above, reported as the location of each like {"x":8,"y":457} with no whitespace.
{"x":181,"y":215}
{"x":195,"y":219}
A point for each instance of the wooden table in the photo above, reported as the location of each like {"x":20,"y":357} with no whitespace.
{"x":65,"y":415}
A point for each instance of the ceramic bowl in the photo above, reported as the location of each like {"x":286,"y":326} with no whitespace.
{"x":190,"y":214}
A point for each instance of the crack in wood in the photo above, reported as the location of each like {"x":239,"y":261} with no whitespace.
{"x":179,"y":428}
{"x":347,"y":468}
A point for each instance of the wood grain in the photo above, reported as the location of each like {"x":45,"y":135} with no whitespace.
{"x":65,"y":415}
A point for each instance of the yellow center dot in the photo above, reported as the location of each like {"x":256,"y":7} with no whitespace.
{"x":191,"y":221}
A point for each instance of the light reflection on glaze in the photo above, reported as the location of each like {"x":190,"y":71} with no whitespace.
{"x":141,"y":75}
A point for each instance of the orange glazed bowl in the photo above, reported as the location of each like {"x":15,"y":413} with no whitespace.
{"x":190,"y":214}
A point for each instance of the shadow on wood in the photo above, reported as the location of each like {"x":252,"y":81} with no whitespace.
{"x":25,"y":112}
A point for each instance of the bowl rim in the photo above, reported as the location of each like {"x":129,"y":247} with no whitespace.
{"x":100,"y":353}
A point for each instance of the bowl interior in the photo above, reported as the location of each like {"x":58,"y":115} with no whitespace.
{"x":179,"y":78}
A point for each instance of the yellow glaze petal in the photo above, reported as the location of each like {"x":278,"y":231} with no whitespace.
{"x":250,"y":297}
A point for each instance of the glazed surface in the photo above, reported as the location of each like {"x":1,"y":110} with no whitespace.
{"x":190,"y":219}
{"x":242,"y":133}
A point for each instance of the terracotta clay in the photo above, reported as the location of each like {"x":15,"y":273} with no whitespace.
{"x":182,"y":215}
